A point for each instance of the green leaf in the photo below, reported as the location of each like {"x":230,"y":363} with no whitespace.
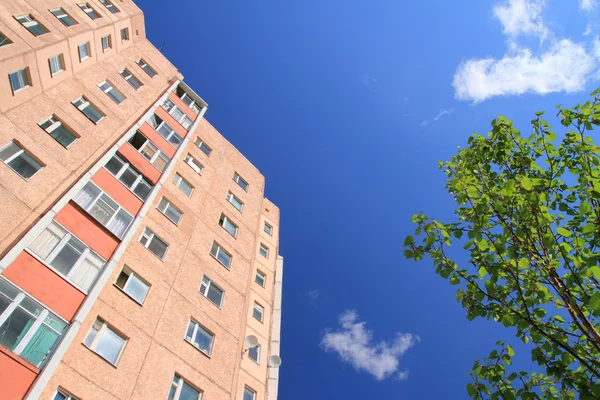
{"x":589,"y":228}
{"x":540,"y":312}
{"x":457,"y":233}
{"x":594,"y":271}
{"x":594,"y":303}
{"x":523,"y":263}
{"x":483,"y":245}
{"x":510,"y":351}
{"x":408,"y":241}
{"x":585,"y":208}
{"x":526,"y":183}
{"x":408,"y":254}
{"x":454,"y":280}
{"x":564,"y":232}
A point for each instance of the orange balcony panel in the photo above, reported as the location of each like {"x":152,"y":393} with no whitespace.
{"x":45,"y":285}
{"x":140,"y":163}
{"x":165,"y":116}
{"x":86,"y":228}
{"x":115,"y":189}
{"x":16,"y":376}
{"x":158,"y":140}
{"x":182,"y":106}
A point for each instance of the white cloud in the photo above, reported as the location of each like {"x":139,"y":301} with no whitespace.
{"x":353,"y":343}
{"x":442,"y":113}
{"x":588,"y":29}
{"x":424,"y":123}
{"x":313,"y":297}
{"x":587,"y":5}
{"x":522,"y":17}
{"x":564,"y":67}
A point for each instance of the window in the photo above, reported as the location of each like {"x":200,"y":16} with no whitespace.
{"x":58,"y":131}
{"x":187,"y":99}
{"x":249,"y":394}
{"x":19,"y":160}
{"x":129,"y":77}
{"x":143,"y":65}
{"x":19,"y":79}
{"x":88,"y":109}
{"x":183,"y":185}
{"x":221,"y":255}
{"x":124,"y":35}
{"x":153,"y":243}
{"x":165,"y":130}
{"x":260,"y":278}
{"x":200,"y":143}
{"x":240,"y":181}
{"x":177,"y":114}
{"x":84,"y":51}
{"x":28,"y":329}
{"x":211,"y":291}
{"x":254,"y":354}
{"x":264,"y":251}
{"x":169,"y":210}
{"x":149,"y":150}
{"x":237,"y":203}
{"x":228,"y":225}
{"x":57,"y":64}
{"x":104,"y":209}
{"x":129,"y":176}
{"x":63,"y":17}
{"x":105,"y":341}
{"x":181,"y":390}
{"x":4,"y":40}
{"x":268,"y":229}
{"x":109,"y":6}
{"x":32,"y":25}
{"x":111,"y":92}
{"x":258,"y":311}
{"x":129,"y":282}
{"x":106,"y":43}
{"x":198,"y":336}
{"x":192,"y":162}
{"x":68,"y":256}
{"x":89,"y":10}
{"x":63,"y":395}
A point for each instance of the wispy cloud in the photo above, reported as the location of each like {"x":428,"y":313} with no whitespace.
{"x":371,"y":82}
{"x":588,"y":29}
{"x":587,"y":5}
{"x":355,"y":346}
{"x":560,"y":66}
{"x":313,"y":296}
{"x":442,"y":113}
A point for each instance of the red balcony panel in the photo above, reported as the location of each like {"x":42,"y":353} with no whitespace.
{"x":165,"y":116}
{"x":115,"y":189}
{"x":16,"y":375}
{"x":182,"y":106}
{"x":86,"y":228}
{"x":45,"y":285}
{"x":158,"y":140}
{"x":140,"y":163}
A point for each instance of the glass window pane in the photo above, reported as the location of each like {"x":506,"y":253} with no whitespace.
{"x":188,"y":392}
{"x":136,"y":288}
{"x":142,"y":189}
{"x":109,"y":346}
{"x":14,"y":328}
{"x":114,"y":165}
{"x":203,"y":340}
{"x":215,"y":294}
{"x":40,"y":345}
{"x":65,"y":259}
{"x":158,"y":247}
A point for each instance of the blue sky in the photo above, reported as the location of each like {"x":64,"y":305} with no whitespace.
{"x":346,"y":108}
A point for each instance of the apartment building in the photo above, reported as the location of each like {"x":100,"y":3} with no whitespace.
{"x":138,"y":254}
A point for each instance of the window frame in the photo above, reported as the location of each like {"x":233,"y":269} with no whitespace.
{"x":39,"y":320}
{"x":198,"y":325}
{"x":88,"y":50}
{"x":93,"y":203}
{"x":127,"y":37}
{"x":149,"y":237}
{"x":110,"y":6}
{"x":89,"y":10}
{"x":61,"y":62}
{"x":171,"y":109}
{"x":252,"y":392}
{"x":66,"y":395}
{"x":263,"y":250}
{"x":59,"y":247}
{"x":195,"y":107}
{"x":261,"y":311}
{"x":162,"y":127}
{"x":179,"y":385}
{"x":23,"y":78}
{"x":99,"y":334}
{"x":169,"y":204}
{"x":157,"y":153}
{"x":131,"y":77}
{"x":218,"y":251}
{"x":230,"y":197}
{"x":124,"y":288}
{"x":208,"y":283}
{"x":86,"y":103}
{"x":143,"y":65}
{"x":262,"y":276}
{"x":244,"y":185}
{"x":178,"y":179}
{"x":199,"y":143}
{"x":31,"y":21}
{"x":61,"y":15}
{"x":106,"y":40}
{"x":112,"y":92}
{"x":4,"y":40}
{"x":193,"y":163}
{"x":257,"y":349}
{"x":124,"y":168}
{"x":19,"y":153}
{"x":270,"y":231}
{"x":56,"y":123}
{"x":224,"y":220}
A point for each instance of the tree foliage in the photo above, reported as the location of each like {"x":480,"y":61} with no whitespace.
{"x":528,"y":215}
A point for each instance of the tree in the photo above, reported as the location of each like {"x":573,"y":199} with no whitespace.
{"x":529,"y":210}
